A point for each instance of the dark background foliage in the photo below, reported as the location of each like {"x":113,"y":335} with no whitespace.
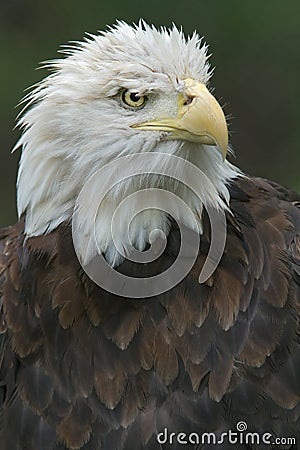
{"x":255,"y":48}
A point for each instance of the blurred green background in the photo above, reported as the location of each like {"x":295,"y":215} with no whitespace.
{"x":256,"y":52}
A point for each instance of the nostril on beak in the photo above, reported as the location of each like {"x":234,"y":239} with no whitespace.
{"x":188,"y":100}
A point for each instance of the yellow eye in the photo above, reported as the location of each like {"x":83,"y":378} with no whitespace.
{"x":133,"y":99}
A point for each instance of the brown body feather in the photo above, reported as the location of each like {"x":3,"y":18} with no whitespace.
{"x":81,"y":368}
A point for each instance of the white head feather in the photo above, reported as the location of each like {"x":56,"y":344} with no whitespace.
{"x":77,"y":123}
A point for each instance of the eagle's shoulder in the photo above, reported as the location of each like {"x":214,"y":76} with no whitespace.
{"x":267,"y":216}
{"x":10,"y":287}
{"x":253,"y":185}
{"x":10,"y":238}
{"x":263,"y":200}
{"x":271,"y":209}
{"x":264,"y":231}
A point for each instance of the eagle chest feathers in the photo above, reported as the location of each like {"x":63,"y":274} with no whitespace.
{"x":84,"y":367}
{"x":93,"y":370}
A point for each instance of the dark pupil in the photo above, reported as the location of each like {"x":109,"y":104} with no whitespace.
{"x":134,"y":97}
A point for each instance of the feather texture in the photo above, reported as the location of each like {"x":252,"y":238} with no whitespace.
{"x":83,"y":369}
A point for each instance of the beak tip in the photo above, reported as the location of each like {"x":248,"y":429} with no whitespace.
{"x":223,"y":151}
{"x":222,"y":148}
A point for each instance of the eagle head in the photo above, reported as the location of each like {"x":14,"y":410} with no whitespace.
{"x":129,"y":90}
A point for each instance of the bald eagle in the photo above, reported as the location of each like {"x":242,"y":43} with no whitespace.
{"x":150,"y":290}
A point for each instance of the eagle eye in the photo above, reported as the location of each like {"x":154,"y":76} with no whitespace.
{"x":133,"y":100}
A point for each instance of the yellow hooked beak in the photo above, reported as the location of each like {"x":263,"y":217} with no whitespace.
{"x":200,"y":118}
